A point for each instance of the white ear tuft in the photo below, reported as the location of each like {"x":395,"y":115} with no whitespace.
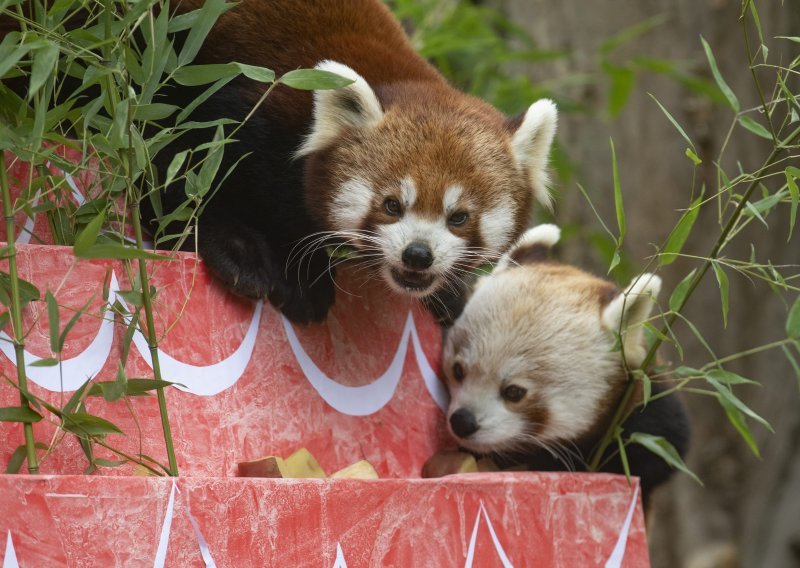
{"x":353,"y":106}
{"x":625,"y":314}
{"x":531,"y":143}
{"x":540,"y":236}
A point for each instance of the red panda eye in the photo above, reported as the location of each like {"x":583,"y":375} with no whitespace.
{"x":513,"y":393}
{"x":458,"y":372}
{"x":457,"y":219}
{"x":392,"y":207}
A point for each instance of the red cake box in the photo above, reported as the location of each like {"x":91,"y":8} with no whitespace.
{"x":472,"y":520}
{"x":248,"y":383}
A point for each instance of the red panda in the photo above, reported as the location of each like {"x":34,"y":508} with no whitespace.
{"x":532,"y":371}
{"x":422,"y":180}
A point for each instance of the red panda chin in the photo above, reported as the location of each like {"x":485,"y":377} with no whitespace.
{"x":412,"y":282}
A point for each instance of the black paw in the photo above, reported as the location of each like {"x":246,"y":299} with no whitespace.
{"x":446,"y":304}
{"x":304,"y":298}
{"x":243,"y":260}
{"x":240,"y":258}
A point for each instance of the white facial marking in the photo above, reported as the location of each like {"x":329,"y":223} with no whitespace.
{"x":351,"y":204}
{"x":497,"y":225}
{"x":408,"y":192}
{"x":445,"y":246}
{"x":451,"y":198}
{"x":497,"y":424}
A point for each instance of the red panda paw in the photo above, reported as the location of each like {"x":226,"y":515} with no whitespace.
{"x":244,"y":261}
{"x":447,"y":303}
{"x":302,"y":299}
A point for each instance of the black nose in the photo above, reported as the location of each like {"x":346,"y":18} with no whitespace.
{"x":418,"y":256}
{"x":463,"y":423}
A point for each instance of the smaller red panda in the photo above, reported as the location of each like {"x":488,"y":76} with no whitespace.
{"x":532,"y":371}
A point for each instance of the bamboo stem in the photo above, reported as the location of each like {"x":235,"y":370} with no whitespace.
{"x":620,"y":415}
{"x":16,"y":317}
{"x":152,"y":342}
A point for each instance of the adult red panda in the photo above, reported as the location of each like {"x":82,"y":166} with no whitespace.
{"x":533,"y":374}
{"x":423,"y":180}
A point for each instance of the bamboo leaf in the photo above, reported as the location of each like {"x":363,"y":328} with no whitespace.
{"x":134,"y":387}
{"x":47,"y":362}
{"x":736,"y":418}
{"x":27,"y":291}
{"x":18,"y":457}
{"x":678,"y":295}
{"x":206,"y":17}
{"x":663,"y":449}
{"x":210,"y":167}
{"x":729,"y":378}
{"x":623,"y":455}
{"x":203,"y":97}
{"x":84,"y":424}
{"x":88,"y":236}
{"x":75,"y":400}
{"x":723,"y":86}
{"x":260,"y":74}
{"x":44,"y":61}
{"x":792,"y":175}
{"x":754,"y":127}
{"x":674,"y":122}
{"x":693,"y":157}
{"x":52,"y":318}
{"x":109,"y":463}
{"x":617,"y":196}
{"x":121,"y":252}
{"x":19,"y":414}
{"x":680,"y":233}
{"x":728,"y":395}
{"x":175,"y":165}
{"x":793,"y":321}
{"x":722,"y":280}
{"x":194,"y":75}
{"x":154,"y":111}
{"x":683,"y":371}
{"x":792,"y":362}
{"x":647,"y":385}
{"x":116,"y":389}
{"x":314,"y":79}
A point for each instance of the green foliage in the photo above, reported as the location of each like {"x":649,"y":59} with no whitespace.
{"x":98,"y":89}
{"x":738,"y":200}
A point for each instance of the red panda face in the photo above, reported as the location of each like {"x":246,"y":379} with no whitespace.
{"x":430,"y":200}
{"x":425,"y":184}
{"x":531,"y":362}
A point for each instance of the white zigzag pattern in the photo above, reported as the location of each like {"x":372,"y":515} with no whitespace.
{"x":208,"y":380}
{"x":10,"y":558}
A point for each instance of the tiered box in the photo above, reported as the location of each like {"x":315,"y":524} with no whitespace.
{"x":361,"y":386}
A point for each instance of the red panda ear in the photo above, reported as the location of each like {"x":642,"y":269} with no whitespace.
{"x":531,"y":143}
{"x":533,"y":246}
{"x":353,"y":106}
{"x":628,"y":310}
